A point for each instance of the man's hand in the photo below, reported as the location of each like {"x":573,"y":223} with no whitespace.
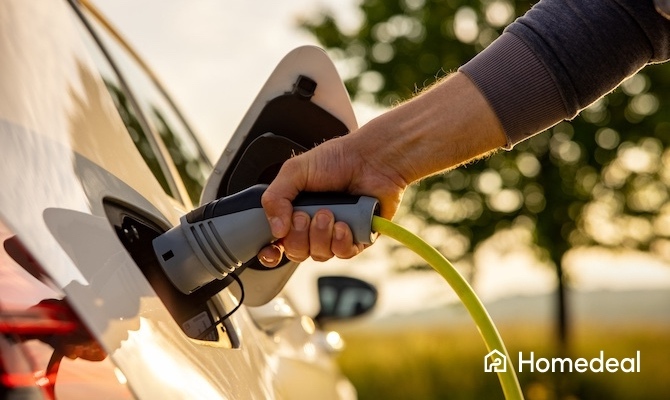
{"x":339,"y":165}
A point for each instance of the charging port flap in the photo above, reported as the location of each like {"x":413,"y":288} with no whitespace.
{"x":302,"y":104}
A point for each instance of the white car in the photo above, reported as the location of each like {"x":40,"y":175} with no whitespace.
{"x":95,"y":162}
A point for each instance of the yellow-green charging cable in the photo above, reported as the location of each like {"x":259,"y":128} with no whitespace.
{"x":492,"y":339}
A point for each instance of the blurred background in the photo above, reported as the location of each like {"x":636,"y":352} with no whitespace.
{"x":566,"y":238}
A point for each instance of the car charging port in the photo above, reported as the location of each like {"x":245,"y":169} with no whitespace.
{"x":194,"y":313}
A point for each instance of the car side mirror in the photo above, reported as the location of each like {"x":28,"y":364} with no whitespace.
{"x":342,"y":298}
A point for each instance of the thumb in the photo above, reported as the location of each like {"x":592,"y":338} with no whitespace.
{"x":278,"y":210}
{"x":278,"y":197}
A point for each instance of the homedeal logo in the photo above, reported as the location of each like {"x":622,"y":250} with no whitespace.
{"x":496,"y":361}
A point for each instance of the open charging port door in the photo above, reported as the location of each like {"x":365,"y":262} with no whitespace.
{"x":302,"y":104}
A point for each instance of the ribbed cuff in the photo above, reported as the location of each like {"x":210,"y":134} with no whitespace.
{"x":518,"y":87}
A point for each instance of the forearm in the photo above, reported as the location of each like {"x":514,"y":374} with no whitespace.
{"x":445,"y":126}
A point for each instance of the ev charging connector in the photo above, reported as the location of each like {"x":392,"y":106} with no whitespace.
{"x":215,"y":239}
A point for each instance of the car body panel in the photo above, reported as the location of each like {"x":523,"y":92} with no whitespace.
{"x":64,"y":152}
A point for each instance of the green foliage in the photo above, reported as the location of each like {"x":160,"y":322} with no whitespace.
{"x":598,"y":180}
{"x":404,"y":45}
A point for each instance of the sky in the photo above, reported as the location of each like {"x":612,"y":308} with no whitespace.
{"x":214,"y":56}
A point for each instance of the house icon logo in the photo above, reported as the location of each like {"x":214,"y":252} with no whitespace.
{"x":495,"y":361}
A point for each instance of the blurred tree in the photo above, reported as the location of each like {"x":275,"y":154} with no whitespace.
{"x":601,"y":179}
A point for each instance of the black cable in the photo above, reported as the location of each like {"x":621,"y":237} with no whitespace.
{"x":219,"y":321}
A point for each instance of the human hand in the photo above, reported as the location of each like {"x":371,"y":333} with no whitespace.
{"x":347,"y":164}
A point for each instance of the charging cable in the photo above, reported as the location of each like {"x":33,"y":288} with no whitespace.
{"x":487,"y":329}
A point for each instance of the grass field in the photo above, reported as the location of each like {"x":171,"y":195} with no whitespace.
{"x":448,"y":363}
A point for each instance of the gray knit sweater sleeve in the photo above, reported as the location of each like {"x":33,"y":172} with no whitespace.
{"x":562,"y":55}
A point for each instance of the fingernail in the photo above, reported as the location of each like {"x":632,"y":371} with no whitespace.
{"x":300,"y":222}
{"x":277,"y":226}
{"x":339,"y":232}
{"x":268,"y":259}
{"x":271,"y":257}
{"x":322,"y":221}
